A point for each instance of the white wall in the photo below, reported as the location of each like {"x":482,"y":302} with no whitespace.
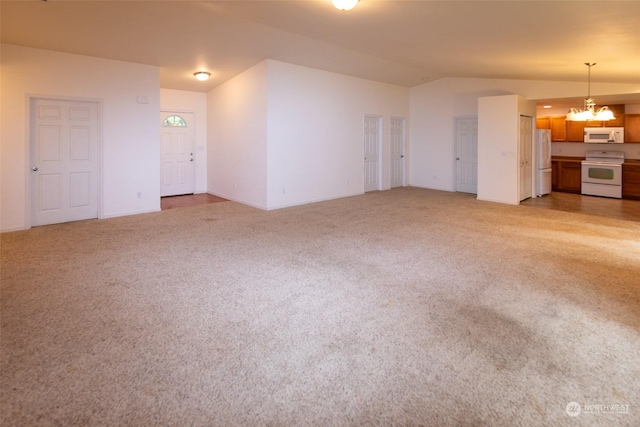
{"x":191,"y":102}
{"x":435,"y":105}
{"x":499,"y":147}
{"x":237,"y":138}
{"x":129,"y":145}
{"x":283,"y":135}
{"x":315,"y":132}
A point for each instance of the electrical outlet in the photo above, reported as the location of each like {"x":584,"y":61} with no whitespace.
{"x":139,"y":195}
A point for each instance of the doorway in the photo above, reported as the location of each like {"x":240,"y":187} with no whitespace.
{"x":397,"y":142}
{"x":466,"y":143}
{"x":177,"y":155}
{"x":64,"y":160}
{"x":372,"y":126}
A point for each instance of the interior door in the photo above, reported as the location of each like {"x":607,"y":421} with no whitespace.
{"x":371,"y":153}
{"x":64,"y":161}
{"x":526,"y":167}
{"x":397,"y":151}
{"x":177,"y":169}
{"x":466,"y":141}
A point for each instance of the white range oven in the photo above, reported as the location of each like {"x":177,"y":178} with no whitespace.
{"x":602,"y":173}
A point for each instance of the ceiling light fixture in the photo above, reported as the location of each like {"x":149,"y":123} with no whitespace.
{"x":589,"y":112}
{"x":202,"y":75}
{"x":344,"y":4}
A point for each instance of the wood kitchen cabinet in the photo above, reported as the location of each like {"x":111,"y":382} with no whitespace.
{"x":631,"y":180}
{"x":566,"y":175}
{"x":543,"y":123}
{"x":570,"y":131}
{"x":632,"y":128}
{"x":575,"y":131}
{"x":555,"y":175}
{"x":593,"y":124}
{"x":618,"y":112}
{"x":558,"y":126}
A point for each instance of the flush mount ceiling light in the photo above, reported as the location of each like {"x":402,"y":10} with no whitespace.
{"x":202,"y":75}
{"x":344,"y":4}
{"x":589,"y":112}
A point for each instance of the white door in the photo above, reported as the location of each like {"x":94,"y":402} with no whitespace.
{"x":176,"y":172}
{"x":466,"y":141}
{"x":371,"y":153}
{"x":526,"y":167}
{"x":64,"y":161}
{"x":397,"y":152}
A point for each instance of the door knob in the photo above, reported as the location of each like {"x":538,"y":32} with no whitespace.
{"x":35,"y":168}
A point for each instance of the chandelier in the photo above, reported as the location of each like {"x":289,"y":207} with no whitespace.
{"x":589,"y":112}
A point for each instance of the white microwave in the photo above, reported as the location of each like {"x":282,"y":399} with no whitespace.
{"x":612,"y":135}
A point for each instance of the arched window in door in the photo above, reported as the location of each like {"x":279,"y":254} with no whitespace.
{"x":174,"y":121}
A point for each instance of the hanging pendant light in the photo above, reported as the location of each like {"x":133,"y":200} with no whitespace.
{"x":344,"y":4}
{"x":589,"y":113}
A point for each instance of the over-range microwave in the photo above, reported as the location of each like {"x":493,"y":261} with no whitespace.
{"x":612,"y":135}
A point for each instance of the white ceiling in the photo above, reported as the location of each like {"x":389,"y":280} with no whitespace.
{"x":400,"y":42}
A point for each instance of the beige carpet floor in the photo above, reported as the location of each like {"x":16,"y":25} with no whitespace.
{"x":402,"y":307}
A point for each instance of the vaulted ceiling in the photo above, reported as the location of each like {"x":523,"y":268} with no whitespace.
{"x":399,"y":42}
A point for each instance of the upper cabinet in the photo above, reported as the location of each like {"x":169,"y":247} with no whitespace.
{"x":543,"y":122}
{"x":575,"y":130}
{"x":618,"y":111}
{"x":632,"y":128}
{"x":570,"y":131}
{"x":558,"y":126}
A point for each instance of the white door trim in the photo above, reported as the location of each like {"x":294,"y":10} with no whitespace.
{"x":528,"y":157}
{"x":30,"y":100}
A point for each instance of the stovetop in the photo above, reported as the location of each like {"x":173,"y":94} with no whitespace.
{"x":615,"y":157}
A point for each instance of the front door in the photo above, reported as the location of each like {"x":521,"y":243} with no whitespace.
{"x":467,"y":154}
{"x":64,"y":161}
{"x":177,"y":135}
{"x":397,"y":152}
{"x":371,"y":153}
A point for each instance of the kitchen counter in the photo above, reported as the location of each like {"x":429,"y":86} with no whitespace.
{"x":580,"y":159}
{"x":566,"y":159}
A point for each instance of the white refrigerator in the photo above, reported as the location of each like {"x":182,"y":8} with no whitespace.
{"x":543,"y":162}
